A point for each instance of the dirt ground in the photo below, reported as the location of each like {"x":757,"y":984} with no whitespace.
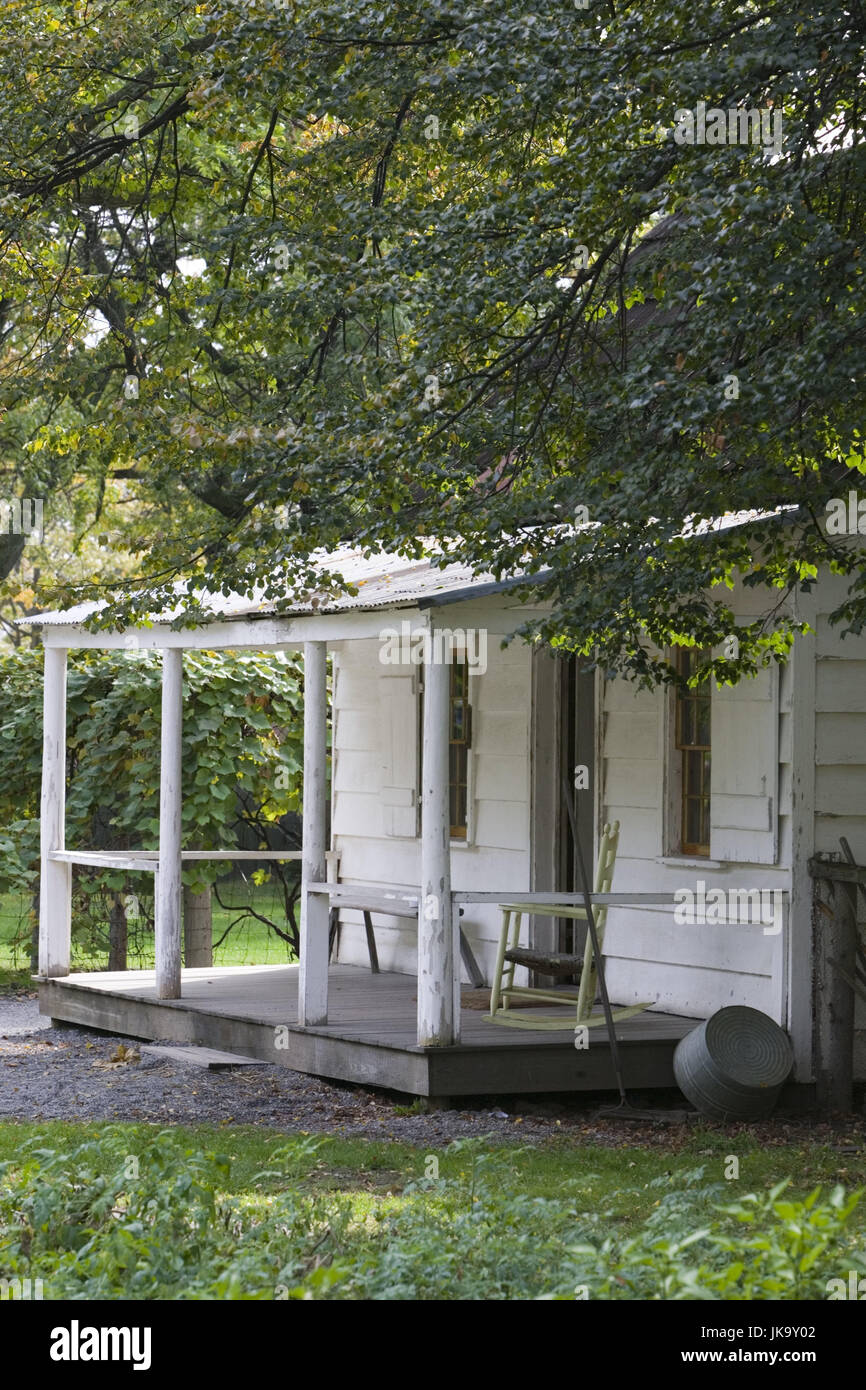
{"x":79,"y":1075}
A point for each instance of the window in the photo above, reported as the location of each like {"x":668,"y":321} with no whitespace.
{"x":693,"y":747}
{"x":459,"y":741}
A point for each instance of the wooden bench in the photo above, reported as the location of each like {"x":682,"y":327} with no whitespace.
{"x":370,"y":901}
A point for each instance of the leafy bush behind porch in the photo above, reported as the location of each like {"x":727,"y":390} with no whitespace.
{"x":242,"y":772}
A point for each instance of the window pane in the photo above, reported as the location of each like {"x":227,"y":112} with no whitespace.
{"x":696,"y":821}
{"x":693,"y":770}
{"x":687,"y":724}
{"x":458,"y":756}
{"x":694,"y":736}
{"x":702,"y":730}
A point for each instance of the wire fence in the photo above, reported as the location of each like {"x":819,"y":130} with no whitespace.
{"x":254,"y":919}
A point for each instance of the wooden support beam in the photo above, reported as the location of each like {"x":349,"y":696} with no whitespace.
{"x":377,"y":897}
{"x":314,"y":941}
{"x":95,"y":859}
{"x":168,"y":881}
{"x":438,"y":950}
{"x":262,"y":633}
{"x":668,"y":899}
{"x":227,"y":855}
{"x":55,"y":896}
{"x":835,"y":961}
{"x":146,"y":860}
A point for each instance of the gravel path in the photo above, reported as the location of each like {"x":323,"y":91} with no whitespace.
{"x":69,"y":1074}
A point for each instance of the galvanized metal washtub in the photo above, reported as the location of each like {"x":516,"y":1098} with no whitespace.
{"x":734,"y":1065}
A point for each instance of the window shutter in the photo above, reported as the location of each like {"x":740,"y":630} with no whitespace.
{"x":398,"y":708}
{"x":744,"y":770}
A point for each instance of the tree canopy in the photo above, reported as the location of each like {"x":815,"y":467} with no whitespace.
{"x":295,"y":274}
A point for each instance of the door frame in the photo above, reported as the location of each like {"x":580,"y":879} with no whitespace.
{"x":563,"y":734}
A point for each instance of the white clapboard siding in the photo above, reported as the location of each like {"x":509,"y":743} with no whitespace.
{"x":634,"y":731}
{"x":833,"y":641}
{"x":841,"y":739}
{"x":840,"y":756}
{"x":501,"y":825}
{"x":355,"y":684}
{"x":498,"y":777}
{"x":786,"y":688}
{"x":372,"y":721}
{"x":640,"y":833}
{"x":496,"y":731}
{"x":692,"y":970}
{"x":633,"y":782}
{"x":785,"y":737}
{"x":828,"y":829}
{"x":786,"y":841}
{"x":744,"y":796}
{"x":357,"y":808}
{"x":355,"y":732}
{"x":841,"y":791}
{"x":376,"y":859}
{"x":690,"y":990}
{"x":355,"y":770}
{"x":785,"y":786}
{"x":840,"y":743}
{"x":398,"y":728}
{"x":841,"y":684}
{"x":650,"y":936}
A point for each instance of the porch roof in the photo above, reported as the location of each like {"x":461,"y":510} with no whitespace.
{"x":380,"y":582}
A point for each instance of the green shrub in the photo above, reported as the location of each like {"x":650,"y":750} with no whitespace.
{"x":102,"y":1223}
{"x":154,"y":1225}
{"x":790,"y":1250}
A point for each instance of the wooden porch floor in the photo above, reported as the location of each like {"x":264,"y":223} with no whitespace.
{"x":370,"y":1036}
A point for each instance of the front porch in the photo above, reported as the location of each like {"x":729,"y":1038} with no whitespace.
{"x":370,"y":1037}
{"x":379,"y":839}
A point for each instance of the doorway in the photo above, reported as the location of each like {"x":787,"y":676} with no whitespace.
{"x":563,"y":748}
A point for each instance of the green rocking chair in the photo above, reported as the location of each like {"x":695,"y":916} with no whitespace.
{"x":558,"y":964}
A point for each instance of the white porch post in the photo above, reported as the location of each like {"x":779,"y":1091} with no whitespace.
{"x":55,"y":890}
{"x":168,"y":880}
{"x":315,"y":916}
{"x":438,"y":951}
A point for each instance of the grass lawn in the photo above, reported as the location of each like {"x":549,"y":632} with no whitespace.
{"x":606,"y":1178}
{"x":351,"y":1218}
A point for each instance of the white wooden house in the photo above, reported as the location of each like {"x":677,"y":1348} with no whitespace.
{"x":446,"y":796}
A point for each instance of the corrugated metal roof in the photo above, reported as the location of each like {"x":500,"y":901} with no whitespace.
{"x":383,"y":581}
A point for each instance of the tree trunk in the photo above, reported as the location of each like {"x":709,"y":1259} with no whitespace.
{"x":197,"y":928}
{"x":118,"y":933}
